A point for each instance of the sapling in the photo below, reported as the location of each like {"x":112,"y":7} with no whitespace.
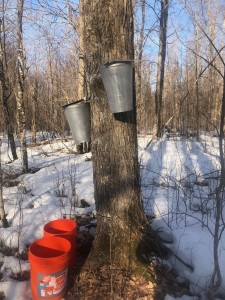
{"x":72,"y":177}
{"x":2,"y":209}
{"x":20,"y":228}
{"x":59,"y":186}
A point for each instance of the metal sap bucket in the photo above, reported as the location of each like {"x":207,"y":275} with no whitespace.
{"x":78,"y":117}
{"x":117,"y":79}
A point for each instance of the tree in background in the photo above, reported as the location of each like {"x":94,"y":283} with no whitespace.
{"x":161,"y":67}
{"x":5,"y":86}
{"x":81,"y":82}
{"x":2,"y":209}
{"x":139,"y":56}
{"x":218,"y":66}
{"x":21,"y":115}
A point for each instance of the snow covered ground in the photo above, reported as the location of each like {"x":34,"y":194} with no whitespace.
{"x":178,"y":180}
{"x":179,"y":177}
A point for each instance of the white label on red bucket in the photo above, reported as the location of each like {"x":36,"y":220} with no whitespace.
{"x":50,"y":285}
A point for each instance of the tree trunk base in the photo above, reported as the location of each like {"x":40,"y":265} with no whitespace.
{"x":149,"y":280}
{"x":112,"y":283}
{"x":152,"y":281}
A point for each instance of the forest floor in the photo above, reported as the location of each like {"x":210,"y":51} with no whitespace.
{"x":109,"y":283}
{"x":178,"y":178}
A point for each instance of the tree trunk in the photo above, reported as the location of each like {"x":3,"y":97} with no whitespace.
{"x":114,"y":138}
{"x":2,"y":209}
{"x":34,"y":111}
{"x":5,"y":94}
{"x":216,"y":279}
{"x":197,"y":82}
{"x":81,"y":85}
{"x":81,"y":75}
{"x":141,"y":111}
{"x":21,"y":116}
{"x":161,"y":67}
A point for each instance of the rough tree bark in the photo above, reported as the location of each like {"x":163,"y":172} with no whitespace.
{"x":119,"y":208}
{"x":161,"y":68}
{"x":5,"y":93}
{"x":21,"y":116}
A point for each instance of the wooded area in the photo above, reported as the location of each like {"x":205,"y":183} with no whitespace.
{"x":50,"y":55}
{"x":193,"y":82}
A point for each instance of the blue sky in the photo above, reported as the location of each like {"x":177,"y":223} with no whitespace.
{"x":41,"y":25}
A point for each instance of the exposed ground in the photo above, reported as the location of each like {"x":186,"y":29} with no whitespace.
{"x":111,"y":283}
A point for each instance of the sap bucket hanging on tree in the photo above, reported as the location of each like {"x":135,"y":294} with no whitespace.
{"x":78,"y":117}
{"x":117,"y":78}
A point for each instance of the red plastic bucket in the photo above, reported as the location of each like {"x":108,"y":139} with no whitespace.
{"x":49,"y":260}
{"x":64,"y":228}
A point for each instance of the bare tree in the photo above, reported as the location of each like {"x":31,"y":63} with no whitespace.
{"x":21,"y":115}
{"x":34,"y":110}
{"x":161,"y":67}
{"x":6,"y":93}
{"x":219,"y":228}
{"x":81,"y":76}
{"x":2,"y":209}
{"x":82,"y":88}
{"x":197,"y":81}
{"x":139,"y":54}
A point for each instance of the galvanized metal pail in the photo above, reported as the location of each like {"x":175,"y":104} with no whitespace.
{"x":117,"y":79}
{"x":78,"y":117}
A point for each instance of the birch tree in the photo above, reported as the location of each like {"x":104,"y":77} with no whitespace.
{"x":2,"y":209}
{"x":21,"y":115}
